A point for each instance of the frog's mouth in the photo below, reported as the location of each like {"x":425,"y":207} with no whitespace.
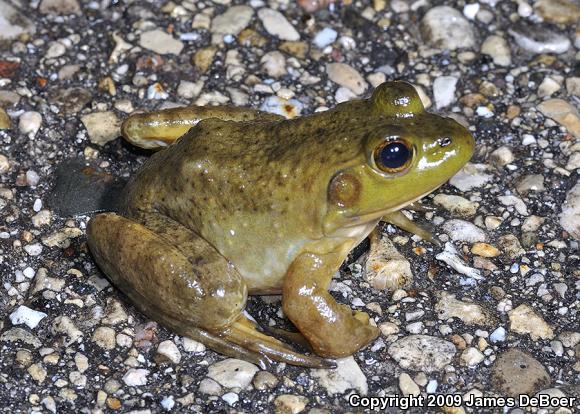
{"x":357,"y":220}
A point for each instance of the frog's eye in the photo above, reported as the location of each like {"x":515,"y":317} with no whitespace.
{"x":393,"y":156}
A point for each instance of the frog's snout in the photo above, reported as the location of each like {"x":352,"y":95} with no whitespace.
{"x":465,"y":144}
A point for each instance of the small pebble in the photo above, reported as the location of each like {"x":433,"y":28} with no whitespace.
{"x":345,"y":75}
{"x":160,"y":42}
{"x":276,"y":24}
{"x":407,"y":385}
{"x":444,"y":91}
{"x":445,"y":27}
{"x":27,"y":316}
{"x":325,"y":37}
{"x":498,"y":48}
{"x":525,"y":320}
{"x":29,"y":123}
{"x":135,"y":377}
{"x":231,"y":398}
{"x":538,"y":39}
{"x":169,"y":350}
{"x":232,"y":373}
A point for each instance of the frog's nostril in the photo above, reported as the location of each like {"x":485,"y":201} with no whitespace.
{"x":443,"y":142}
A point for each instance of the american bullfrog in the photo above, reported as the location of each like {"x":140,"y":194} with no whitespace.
{"x":242,"y":202}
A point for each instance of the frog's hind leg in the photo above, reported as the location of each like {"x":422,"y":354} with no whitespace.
{"x":400,"y":220}
{"x":175,"y":277}
{"x":159,"y":129}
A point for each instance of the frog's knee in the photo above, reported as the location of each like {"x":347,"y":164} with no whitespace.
{"x":162,"y":279}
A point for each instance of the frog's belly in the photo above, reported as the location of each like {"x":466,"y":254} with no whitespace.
{"x":263,"y":268}
{"x":264,"y":265}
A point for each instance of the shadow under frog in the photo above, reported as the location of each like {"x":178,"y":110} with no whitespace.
{"x":242,"y":202}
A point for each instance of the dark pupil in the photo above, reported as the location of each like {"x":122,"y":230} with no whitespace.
{"x":394,"y":155}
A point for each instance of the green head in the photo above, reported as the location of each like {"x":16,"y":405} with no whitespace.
{"x":408,"y":153}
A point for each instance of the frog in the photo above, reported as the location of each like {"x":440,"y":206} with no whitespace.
{"x":237,"y":202}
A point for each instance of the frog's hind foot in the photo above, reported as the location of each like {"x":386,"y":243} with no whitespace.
{"x":245,"y":333}
{"x":295,"y":338}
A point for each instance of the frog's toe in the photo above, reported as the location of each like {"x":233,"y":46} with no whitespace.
{"x":295,"y":338}
{"x":400,"y":220}
{"x":243,"y":332}
{"x":421,"y":208}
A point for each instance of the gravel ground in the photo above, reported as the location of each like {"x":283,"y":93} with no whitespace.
{"x":493,"y":313}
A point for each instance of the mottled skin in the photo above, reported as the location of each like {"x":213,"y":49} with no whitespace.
{"x":252,"y":203}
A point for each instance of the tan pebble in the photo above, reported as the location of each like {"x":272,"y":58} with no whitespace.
{"x":249,"y":37}
{"x":4,"y":119}
{"x":37,"y":372}
{"x":388,"y":328}
{"x":265,"y":380}
{"x":484,"y":250}
{"x":24,"y":357}
{"x":513,"y":111}
{"x":297,"y":49}
{"x":458,"y":341}
{"x":113,"y":403}
{"x":492,"y":222}
{"x":107,"y":85}
{"x":203,"y":58}
{"x":290,"y":404}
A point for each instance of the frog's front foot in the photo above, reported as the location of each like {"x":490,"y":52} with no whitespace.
{"x":178,"y":279}
{"x":331,"y":329}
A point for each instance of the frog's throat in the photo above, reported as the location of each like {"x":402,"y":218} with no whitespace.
{"x":334,"y":222}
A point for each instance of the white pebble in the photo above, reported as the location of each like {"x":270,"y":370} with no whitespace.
{"x":190,"y":345}
{"x":169,"y":350}
{"x":156,"y":91}
{"x":451,"y":257}
{"x":160,"y":42}
{"x":528,"y":139}
{"x":37,"y":206}
{"x":471,"y":357}
{"x":168,"y":403}
{"x":444,"y":91}
{"x":32,"y":178}
{"x":344,"y":94}
{"x":30,"y":122}
{"x":470,"y":10}
{"x":524,"y":9}
{"x":461,"y":230}
{"x":484,"y":112}
{"x":27,"y":316}
{"x":431,"y":386}
{"x":135,"y":377}
{"x":55,"y":49}
{"x":325,"y":37}
{"x":287,"y":108}
{"x":232,"y":373}
{"x":276,"y":24}
{"x":498,"y":335}
{"x":29,"y":272}
{"x":231,"y":398}
{"x":33,"y":249}
{"x":274,"y":64}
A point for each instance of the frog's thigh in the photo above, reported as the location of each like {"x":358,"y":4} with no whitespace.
{"x":161,"y":128}
{"x":175,"y":277}
{"x":331,"y":329}
{"x":182,"y":291}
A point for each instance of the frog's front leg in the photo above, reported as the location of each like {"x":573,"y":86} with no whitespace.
{"x":333,"y":330}
{"x":153,"y":130}
{"x":177,"y":278}
{"x":400,"y":220}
